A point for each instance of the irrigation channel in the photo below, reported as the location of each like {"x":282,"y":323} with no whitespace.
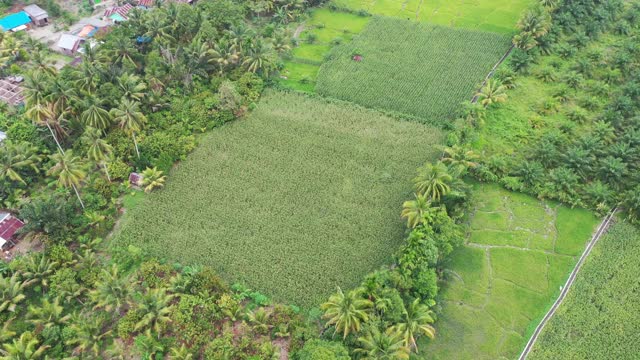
{"x":604,"y":225}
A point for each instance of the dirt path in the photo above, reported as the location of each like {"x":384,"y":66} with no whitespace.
{"x":565,"y":290}
{"x":299,"y":30}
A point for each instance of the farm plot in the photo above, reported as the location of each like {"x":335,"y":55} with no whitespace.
{"x":501,"y":282}
{"x":324,"y":29}
{"x":498,"y":16}
{"x":600,"y":317}
{"x":300,"y":197}
{"x":403,"y":66}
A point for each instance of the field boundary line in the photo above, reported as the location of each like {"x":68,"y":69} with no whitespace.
{"x":474,"y":99}
{"x":602,"y":228}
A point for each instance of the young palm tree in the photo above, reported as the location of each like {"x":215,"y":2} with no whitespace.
{"x":94,"y":115}
{"x":152,"y":178}
{"x":259,"y":319}
{"x":148,"y":346}
{"x":346,"y":312}
{"x":414,"y":210}
{"x":12,"y":292}
{"x":112,"y":291}
{"x":24,"y":348}
{"x":89,"y":335}
{"x":70,"y":171}
{"x":493,"y":92}
{"x":416,"y":320}
{"x":387,"y":345}
{"x":460,"y":159}
{"x":129,"y":118}
{"x":433,"y":181}
{"x":48,"y":314}
{"x":5,"y":332}
{"x":15,"y":157}
{"x":38,"y":268}
{"x":155,"y":305}
{"x":181,"y":353}
{"x":99,"y":151}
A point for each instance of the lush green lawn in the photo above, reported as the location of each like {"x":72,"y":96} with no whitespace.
{"x":489,"y":15}
{"x":519,"y":252}
{"x":301,"y":196}
{"x":409,"y":67}
{"x":600,"y":318}
{"x":328,"y":28}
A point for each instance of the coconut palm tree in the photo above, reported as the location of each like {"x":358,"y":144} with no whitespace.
{"x":47,"y":114}
{"x":129,"y":118}
{"x":493,"y":92}
{"x":36,"y":88}
{"x":12,"y":292}
{"x":152,"y":178}
{"x":24,"y":348}
{"x":535,"y":21}
{"x":132,"y":86}
{"x":346,"y":312}
{"x":147,"y":346}
{"x":156,"y":307}
{"x":121,"y":50}
{"x":433,"y":181}
{"x":70,"y":171}
{"x":414,"y":210}
{"x":15,"y":157}
{"x":94,"y":115}
{"x":112,"y":290}
{"x":416,"y":320}
{"x":98,"y":151}
{"x":259,"y":57}
{"x":48,"y":314}
{"x":387,"y":345}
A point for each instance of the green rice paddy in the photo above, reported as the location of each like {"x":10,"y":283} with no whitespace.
{"x":501,"y":282}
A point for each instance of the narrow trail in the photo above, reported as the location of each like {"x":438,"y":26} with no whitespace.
{"x":493,"y":70}
{"x":298,"y":31}
{"x":604,"y":225}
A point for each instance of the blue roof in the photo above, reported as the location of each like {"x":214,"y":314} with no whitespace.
{"x":14,"y":20}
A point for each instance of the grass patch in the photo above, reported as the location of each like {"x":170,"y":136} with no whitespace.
{"x":502,"y":282}
{"x":489,"y":15}
{"x":301,"y":196}
{"x":600,"y":318}
{"x":407,"y":67}
{"x":328,"y":28}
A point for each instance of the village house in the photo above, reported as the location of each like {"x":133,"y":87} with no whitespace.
{"x":38,"y":15}
{"x":15,"y":22}
{"x":9,"y":225}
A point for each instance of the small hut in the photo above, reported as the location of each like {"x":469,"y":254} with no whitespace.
{"x":37,"y":14}
{"x":9,"y":225}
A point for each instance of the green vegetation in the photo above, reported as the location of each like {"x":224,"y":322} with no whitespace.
{"x":600,"y":317}
{"x":300,"y":197}
{"x":519,"y":252}
{"x":324,"y":29}
{"x":422,"y":70}
{"x":489,"y":15}
{"x":569,"y":129}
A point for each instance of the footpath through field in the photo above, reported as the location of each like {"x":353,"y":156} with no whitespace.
{"x":565,"y":290}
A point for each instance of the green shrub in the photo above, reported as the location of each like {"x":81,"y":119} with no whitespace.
{"x":323,"y":350}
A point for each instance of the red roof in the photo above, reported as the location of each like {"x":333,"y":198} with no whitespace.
{"x":8,"y":226}
{"x":135,"y":179}
{"x":146,"y":3}
{"x":122,"y":10}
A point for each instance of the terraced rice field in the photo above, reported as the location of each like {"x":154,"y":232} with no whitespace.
{"x":502,"y":281}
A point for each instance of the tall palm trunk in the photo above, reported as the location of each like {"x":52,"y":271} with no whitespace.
{"x":78,"y":195}
{"x":55,"y":138}
{"x":106,"y":170}
{"x":135,"y":142}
